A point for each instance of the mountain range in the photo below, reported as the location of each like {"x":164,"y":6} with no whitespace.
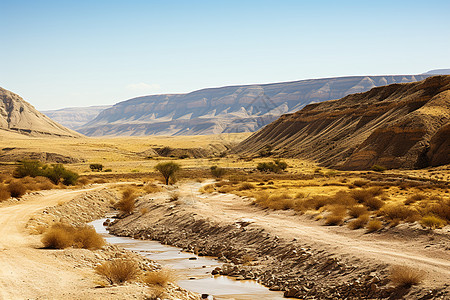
{"x":244,"y":108}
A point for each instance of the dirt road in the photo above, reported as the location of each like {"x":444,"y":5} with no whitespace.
{"x":27,"y":272}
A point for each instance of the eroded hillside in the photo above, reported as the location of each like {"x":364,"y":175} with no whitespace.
{"x":397,"y":126}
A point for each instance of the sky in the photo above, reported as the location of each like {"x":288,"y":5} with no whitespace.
{"x":58,"y":54}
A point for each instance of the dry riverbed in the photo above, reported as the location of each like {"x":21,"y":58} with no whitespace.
{"x":288,"y":252}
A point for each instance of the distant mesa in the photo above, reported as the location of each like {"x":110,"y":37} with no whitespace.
{"x":230,"y":109}
{"x":396,"y":126}
{"x":75,"y":117}
{"x":18,"y":116}
{"x":438,"y":72}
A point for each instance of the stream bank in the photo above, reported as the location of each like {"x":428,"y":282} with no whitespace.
{"x":249,"y":251}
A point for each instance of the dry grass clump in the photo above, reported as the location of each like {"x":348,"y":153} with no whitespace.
{"x":61,"y":236}
{"x":439,"y":208}
{"x":432,"y":222}
{"x":368,"y":197}
{"x":16,"y":189}
{"x":336,"y":215}
{"x":405,"y":277}
{"x":208,"y":189}
{"x":359,"y":222}
{"x":276,"y":201}
{"x":174,"y":196}
{"x":127,"y":203}
{"x":374,"y":225}
{"x":4,"y":192}
{"x":414,"y":198}
{"x":357,"y":210}
{"x":245,"y":186}
{"x":159,"y":278}
{"x":118,"y":271}
{"x":152,"y":188}
{"x":395,"y":213}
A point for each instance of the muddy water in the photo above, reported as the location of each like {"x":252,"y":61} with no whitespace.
{"x":194,"y":271}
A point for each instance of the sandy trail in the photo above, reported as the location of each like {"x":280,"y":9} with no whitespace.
{"x":26,"y":272}
{"x":419,"y":252}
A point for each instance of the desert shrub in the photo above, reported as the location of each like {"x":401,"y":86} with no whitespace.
{"x":217,"y":171}
{"x":4,"y":192}
{"x":432,"y":222}
{"x":57,"y":173}
{"x":152,"y":188}
{"x":357,"y":210}
{"x":96,"y":167}
{"x":174,"y":196}
{"x":374,"y":203}
{"x":277,"y":201}
{"x":399,"y":212}
{"x":275,"y":167}
{"x":43,"y":183}
{"x":360,"y":222}
{"x":245,"y":186}
{"x":361,"y":196}
{"x":367,"y":197}
{"x":60,"y":236}
{"x":414,"y":198}
{"x":360,"y":183}
{"x":118,"y":271}
{"x":16,"y":189}
{"x":374,"y":225}
{"x":209,"y":188}
{"x":127,"y":203}
{"x":87,"y":238}
{"x":266,"y":151}
{"x":30,"y":168}
{"x":159,"y":278}
{"x":378,"y":168}
{"x":336,"y":215}
{"x":168,"y":170}
{"x":439,"y":209}
{"x":405,"y":277}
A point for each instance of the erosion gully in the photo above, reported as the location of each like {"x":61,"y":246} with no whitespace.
{"x":194,"y":271}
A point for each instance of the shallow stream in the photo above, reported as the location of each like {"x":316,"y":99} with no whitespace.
{"x":194,"y":271}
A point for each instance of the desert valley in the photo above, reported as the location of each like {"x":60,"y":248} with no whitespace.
{"x":342,"y":199}
{"x":225,"y":150}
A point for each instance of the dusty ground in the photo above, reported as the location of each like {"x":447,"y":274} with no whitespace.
{"x":291,"y":252}
{"x":29,"y":272}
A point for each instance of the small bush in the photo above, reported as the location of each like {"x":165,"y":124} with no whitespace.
{"x":374,"y":225}
{"x":218,"y":172}
{"x":275,"y":167}
{"x":360,"y":222}
{"x":400,"y":212}
{"x":432,"y":222}
{"x":152,"y":188}
{"x":127,"y":203}
{"x":266,"y":151}
{"x":58,"y":237}
{"x":159,"y":278}
{"x":174,"y":196}
{"x":61,"y":236}
{"x":246,"y":186}
{"x":357,"y":210}
{"x":30,"y":168}
{"x":405,"y":277}
{"x":17,"y":189}
{"x":336,"y":216}
{"x":118,"y":271}
{"x":414,"y":198}
{"x":4,"y":192}
{"x":57,"y":173}
{"x":96,"y":167}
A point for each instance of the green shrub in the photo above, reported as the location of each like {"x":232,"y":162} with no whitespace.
{"x":266,"y":151}
{"x":30,"y":168}
{"x":217,"y":171}
{"x":58,"y":173}
{"x":96,"y":167}
{"x":275,"y":167}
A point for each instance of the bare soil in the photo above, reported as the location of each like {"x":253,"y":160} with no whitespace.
{"x":289,"y":252}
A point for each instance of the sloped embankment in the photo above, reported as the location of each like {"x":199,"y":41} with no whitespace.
{"x":391,"y":126}
{"x":275,"y":259}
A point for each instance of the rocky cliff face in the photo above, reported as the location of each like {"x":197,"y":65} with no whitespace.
{"x":17,"y":115}
{"x":226,"y":109}
{"x":397,"y":126}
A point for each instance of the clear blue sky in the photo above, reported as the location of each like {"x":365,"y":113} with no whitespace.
{"x":78,"y":53}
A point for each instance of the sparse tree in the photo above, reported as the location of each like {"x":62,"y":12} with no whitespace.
{"x":168,"y":170}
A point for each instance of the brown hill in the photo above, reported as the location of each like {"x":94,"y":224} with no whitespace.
{"x":17,"y":115}
{"x":396,"y":126}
